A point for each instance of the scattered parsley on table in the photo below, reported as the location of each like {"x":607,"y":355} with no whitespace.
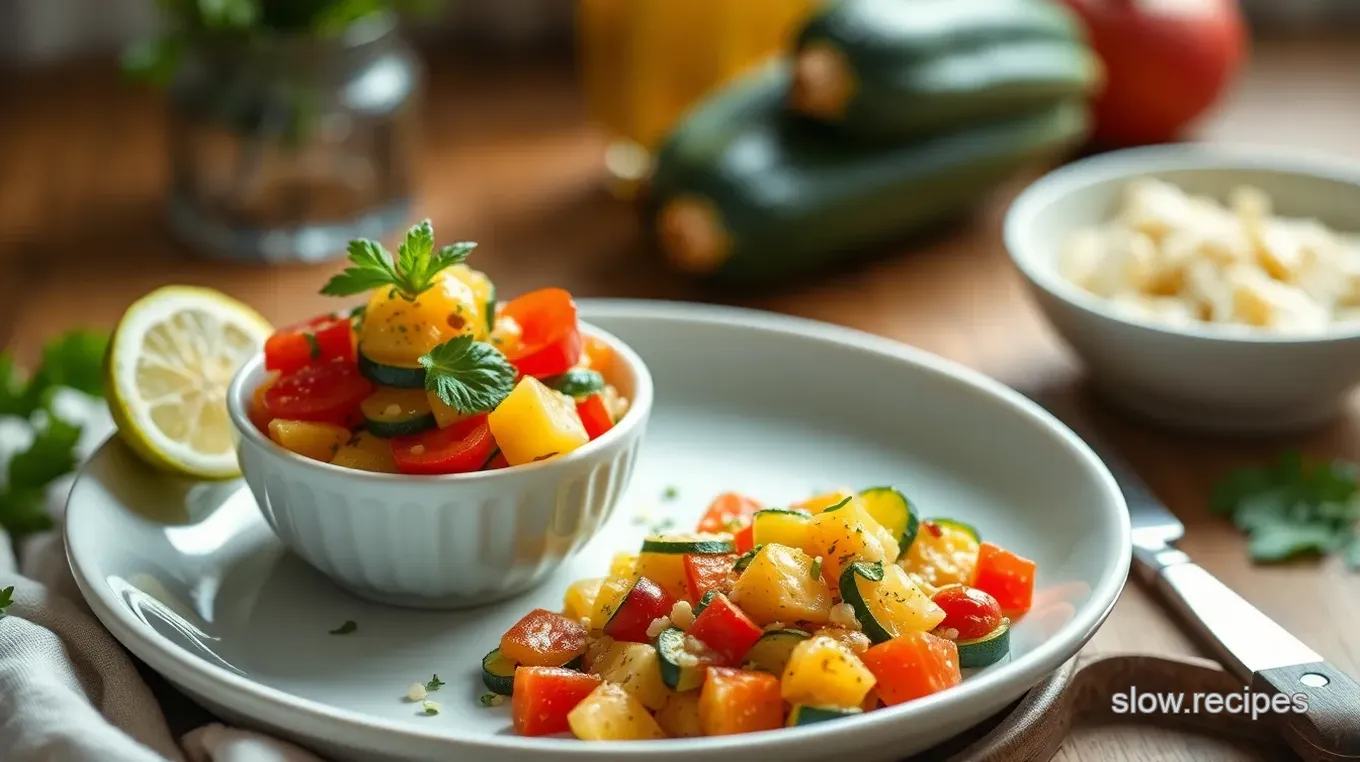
{"x":6,"y":599}
{"x":434,"y":684}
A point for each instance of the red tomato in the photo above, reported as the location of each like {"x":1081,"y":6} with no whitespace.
{"x":728,"y":512}
{"x":726,"y":629}
{"x":644,"y":602}
{"x":544,"y":639}
{"x":745,"y":539}
{"x":972,"y":612}
{"x":1008,"y":577}
{"x":739,"y":701}
{"x":704,"y":572}
{"x":912,"y":665}
{"x":465,"y":446}
{"x":1165,"y":64}
{"x":595,"y":416}
{"x":497,"y":461}
{"x":550,"y":339}
{"x":329,"y":337}
{"x":543,"y":696}
{"x":327,"y":392}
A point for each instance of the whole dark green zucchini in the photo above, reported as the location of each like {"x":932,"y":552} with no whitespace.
{"x":889,"y":69}
{"x":769,"y":197}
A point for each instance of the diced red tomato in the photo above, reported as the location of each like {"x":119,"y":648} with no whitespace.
{"x":704,"y":572}
{"x":600,"y":354}
{"x":595,"y":415}
{"x":728,"y":512}
{"x":497,"y":461}
{"x":913,"y":665}
{"x":971,"y":612}
{"x":326,"y":392}
{"x":544,"y":639}
{"x":329,"y":337}
{"x":463,"y":447}
{"x":739,"y":701}
{"x":726,"y":629}
{"x":550,"y":339}
{"x":543,"y":696}
{"x":644,"y":602}
{"x":745,"y":539}
{"x":1007,"y":577}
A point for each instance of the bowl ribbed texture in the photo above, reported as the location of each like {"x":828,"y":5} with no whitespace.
{"x":438,"y":544}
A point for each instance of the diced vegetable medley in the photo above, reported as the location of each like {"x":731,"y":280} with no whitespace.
{"x":765,"y":618}
{"x":432,"y":375}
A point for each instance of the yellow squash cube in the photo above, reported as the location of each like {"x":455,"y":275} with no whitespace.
{"x":777,"y":527}
{"x":849,"y":534}
{"x":680,"y":716}
{"x":318,"y":441}
{"x":535,"y":423}
{"x":779,"y":586}
{"x":667,"y":570}
{"x":579,"y":600}
{"x":946,"y":558}
{"x":897,"y":604}
{"x":366,"y":452}
{"x":609,"y":713}
{"x":635,"y":667}
{"x":823,"y":672}
{"x":623,"y":565}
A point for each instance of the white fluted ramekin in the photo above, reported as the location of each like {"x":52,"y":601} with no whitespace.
{"x":450,"y":541}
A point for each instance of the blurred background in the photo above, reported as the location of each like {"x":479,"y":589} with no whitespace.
{"x":240,"y":143}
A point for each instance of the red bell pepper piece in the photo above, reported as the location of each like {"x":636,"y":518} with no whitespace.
{"x":324,"y":392}
{"x":968,"y":611}
{"x":497,"y":461}
{"x":1007,"y":577}
{"x":595,"y":415}
{"x":329,"y":337}
{"x":644,"y":602}
{"x":745,"y":539}
{"x":463,"y":447}
{"x":739,"y":701}
{"x":726,"y":629}
{"x":544,"y":639}
{"x":913,"y":665}
{"x":600,"y":354}
{"x":704,"y":572}
{"x":728,"y":512}
{"x":543,"y":696}
{"x":550,"y":337}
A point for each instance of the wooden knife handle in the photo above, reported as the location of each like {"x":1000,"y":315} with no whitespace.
{"x":1323,"y":717}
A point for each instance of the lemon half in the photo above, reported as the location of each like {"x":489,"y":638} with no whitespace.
{"x":169,"y":364}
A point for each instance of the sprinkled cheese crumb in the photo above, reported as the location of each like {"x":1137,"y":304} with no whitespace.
{"x":431,"y":707}
{"x":658,"y":625}
{"x":682,"y":615}
{"x":686,"y":659}
{"x":418,"y":449}
{"x":772,"y":626}
{"x":416,"y":692}
{"x":392,"y":409}
{"x":948,"y":633}
{"x":843,"y":615}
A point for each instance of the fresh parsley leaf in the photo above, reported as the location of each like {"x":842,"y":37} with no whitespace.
{"x":1282,"y":541}
{"x":313,"y":346}
{"x":51,"y":455}
{"x":410,"y":274}
{"x":430,"y":707}
{"x":816,"y":571}
{"x":469,"y":376}
{"x":435,"y":683}
{"x":1352,"y":553}
{"x":12,"y":388}
{"x":24,"y":512}
{"x":75,"y":359}
{"x":346,"y":628}
{"x":670,"y":493}
{"x":488,"y":700}
{"x":6,"y":599}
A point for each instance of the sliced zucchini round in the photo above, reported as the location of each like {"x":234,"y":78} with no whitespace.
{"x":771,"y":652}
{"x":577,"y":383}
{"x":400,"y":376}
{"x":393,"y":412}
{"x":851,"y":594}
{"x":670,"y":645}
{"x":889,"y":507}
{"x":909,"y":534}
{"x":986,"y":650}
{"x":704,"y":601}
{"x":701,"y":544}
{"x":746,"y":559}
{"x":498,"y":673}
{"x":807,"y":715}
{"x":967,"y":529}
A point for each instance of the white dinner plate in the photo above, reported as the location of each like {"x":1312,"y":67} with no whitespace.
{"x":191,"y":580}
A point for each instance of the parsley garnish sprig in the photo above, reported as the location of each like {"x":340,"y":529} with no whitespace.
{"x":1294,"y":507}
{"x":6,"y":599}
{"x":409,"y":274}
{"x":469,"y":376}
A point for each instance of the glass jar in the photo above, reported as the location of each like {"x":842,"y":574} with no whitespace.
{"x":644,"y":62}
{"x":283,"y":148}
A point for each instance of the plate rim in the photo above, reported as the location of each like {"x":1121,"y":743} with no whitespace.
{"x":359,"y":731}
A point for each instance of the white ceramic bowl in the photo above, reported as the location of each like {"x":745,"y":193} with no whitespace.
{"x":1213,"y":378}
{"x":443,"y":541}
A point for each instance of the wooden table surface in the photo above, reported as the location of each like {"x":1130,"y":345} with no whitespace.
{"x":510,"y":162}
